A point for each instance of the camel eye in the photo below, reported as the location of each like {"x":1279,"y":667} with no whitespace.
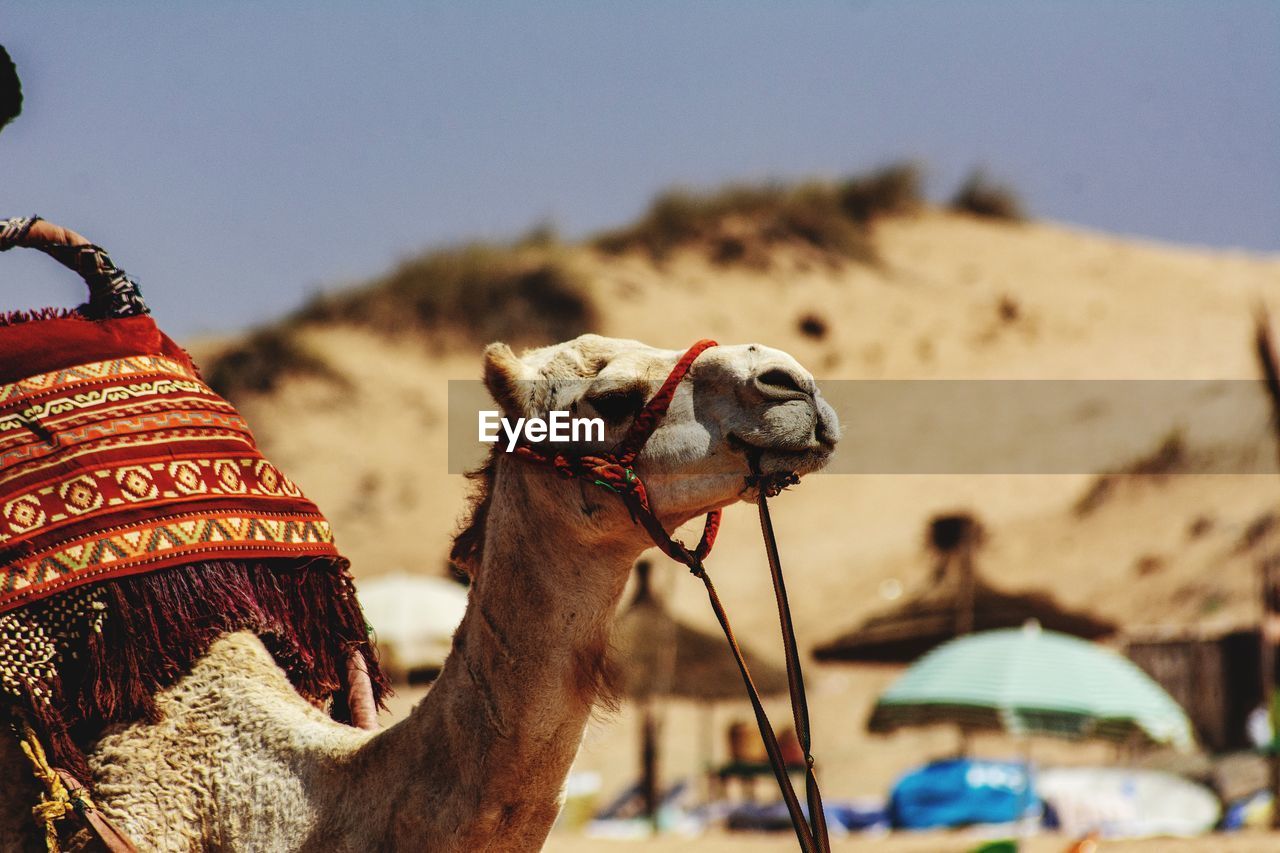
{"x":616,"y":406}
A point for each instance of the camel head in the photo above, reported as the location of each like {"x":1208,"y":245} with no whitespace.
{"x":735,"y":402}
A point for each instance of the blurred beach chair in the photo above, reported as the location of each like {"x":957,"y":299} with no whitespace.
{"x":748,"y":760}
{"x":843,"y":817}
{"x":629,"y":805}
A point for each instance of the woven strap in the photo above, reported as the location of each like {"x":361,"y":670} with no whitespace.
{"x":614,"y":471}
{"x":111,"y":292}
{"x":656,"y":409}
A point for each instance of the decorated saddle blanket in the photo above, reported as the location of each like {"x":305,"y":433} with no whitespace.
{"x":139,"y":522}
{"x":115,"y":459}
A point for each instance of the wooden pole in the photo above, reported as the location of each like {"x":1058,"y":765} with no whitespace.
{"x":649,"y":766}
{"x":1267,"y":627}
{"x":1267,"y":660}
{"x":955,"y":538}
{"x":967,"y":589}
{"x":706,"y":746}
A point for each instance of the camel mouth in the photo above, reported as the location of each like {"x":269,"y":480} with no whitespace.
{"x":816,"y":441}
{"x":800,"y":462}
{"x":775,"y":459}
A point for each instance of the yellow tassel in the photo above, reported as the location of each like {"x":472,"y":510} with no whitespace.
{"x":55,"y":801}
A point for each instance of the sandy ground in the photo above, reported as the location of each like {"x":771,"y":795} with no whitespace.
{"x":914,"y":843}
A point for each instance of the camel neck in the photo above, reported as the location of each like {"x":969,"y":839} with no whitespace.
{"x":501,"y":726}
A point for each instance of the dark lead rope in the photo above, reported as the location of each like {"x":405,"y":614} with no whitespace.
{"x":812,"y":833}
{"x":795,"y":675}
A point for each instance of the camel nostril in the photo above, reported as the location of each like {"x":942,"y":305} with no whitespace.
{"x":824,"y":434}
{"x":776,"y":378}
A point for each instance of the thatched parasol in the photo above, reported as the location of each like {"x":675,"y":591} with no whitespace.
{"x":660,"y":657}
{"x":957,"y":602}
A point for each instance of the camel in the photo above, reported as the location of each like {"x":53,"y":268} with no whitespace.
{"x":239,"y":761}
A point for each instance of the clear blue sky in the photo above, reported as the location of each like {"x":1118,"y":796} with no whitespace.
{"x":236,"y":156}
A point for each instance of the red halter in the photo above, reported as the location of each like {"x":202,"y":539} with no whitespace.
{"x":614,"y":470}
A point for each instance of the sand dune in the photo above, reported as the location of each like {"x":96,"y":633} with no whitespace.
{"x":955,"y":298}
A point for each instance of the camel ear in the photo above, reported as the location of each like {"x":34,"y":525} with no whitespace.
{"x":508,"y":380}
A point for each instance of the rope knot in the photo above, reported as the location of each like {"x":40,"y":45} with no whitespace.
{"x":56,"y":802}
{"x":563,"y":466}
{"x":617,"y":478}
{"x":772,"y":485}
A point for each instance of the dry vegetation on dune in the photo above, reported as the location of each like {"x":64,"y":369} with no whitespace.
{"x":259,"y":362}
{"x":530,"y":291}
{"x":524,"y":293}
{"x":742,"y":224}
{"x":1166,"y":460}
{"x":979,"y":195}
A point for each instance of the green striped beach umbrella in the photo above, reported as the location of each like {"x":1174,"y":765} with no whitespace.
{"x":1030,"y":681}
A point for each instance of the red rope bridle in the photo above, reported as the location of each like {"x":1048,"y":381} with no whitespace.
{"x":615,"y":471}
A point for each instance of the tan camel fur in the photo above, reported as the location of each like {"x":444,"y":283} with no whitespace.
{"x":240,"y":762}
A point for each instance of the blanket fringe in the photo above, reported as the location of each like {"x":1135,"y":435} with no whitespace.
{"x":158,"y":624}
{"x":12,"y":318}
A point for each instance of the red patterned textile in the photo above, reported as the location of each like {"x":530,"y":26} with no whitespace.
{"x":117,"y":459}
{"x":139,"y":523}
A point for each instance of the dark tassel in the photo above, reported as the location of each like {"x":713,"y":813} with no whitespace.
{"x":51,"y":728}
{"x":159,"y":624}
{"x":12,"y":318}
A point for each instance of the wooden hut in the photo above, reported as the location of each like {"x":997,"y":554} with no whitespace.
{"x":1215,"y":677}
